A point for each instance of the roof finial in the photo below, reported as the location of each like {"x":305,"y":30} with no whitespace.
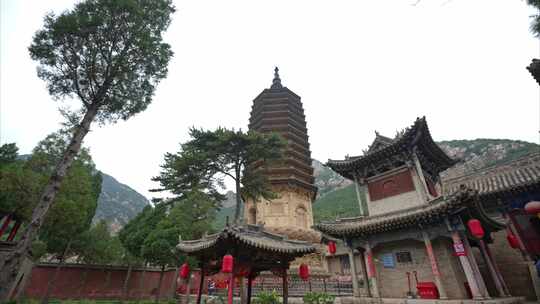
{"x":276,"y":83}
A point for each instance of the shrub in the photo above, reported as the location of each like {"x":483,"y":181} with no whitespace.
{"x":267,"y":298}
{"x":318,"y":298}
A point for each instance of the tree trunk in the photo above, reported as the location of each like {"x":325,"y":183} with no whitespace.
{"x":11,"y":262}
{"x":126,"y":285}
{"x":238,"y":199}
{"x":159,"y":283}
{"x":50,"y":286}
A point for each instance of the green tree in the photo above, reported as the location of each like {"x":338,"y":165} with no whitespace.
{"x":210,"y":156}
{"x":8,"y":154}
{"x":535,"y":24}
{"x":110,"y":55}
{"x":97,"y":246}
{"x":188,"y":218}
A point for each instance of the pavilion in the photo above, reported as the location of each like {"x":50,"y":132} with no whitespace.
{"x":254,"y":250}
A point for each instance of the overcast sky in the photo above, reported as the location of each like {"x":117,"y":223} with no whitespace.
{"x":359,"y":66}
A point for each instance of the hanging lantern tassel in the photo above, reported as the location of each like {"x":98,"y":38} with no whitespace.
{"x":184,"y":271}
{"x":475,"y":227}
{"x":332,"y":247}
{"x":512,"y":240}
{"x":303,"y":272}
{"x":227,"y":265}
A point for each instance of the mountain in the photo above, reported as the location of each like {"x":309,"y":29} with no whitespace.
{"x":118,"y":203}
{"x":339,"y":201}
{"x":336,"y":197}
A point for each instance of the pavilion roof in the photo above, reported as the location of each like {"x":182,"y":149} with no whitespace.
{"x":253,"y":237}
{"x":386,"y":153}
{"x":431,"y":213}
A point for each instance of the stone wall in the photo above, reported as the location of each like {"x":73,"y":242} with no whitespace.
{"x":514,"y":269}
{"x":393,"y":281}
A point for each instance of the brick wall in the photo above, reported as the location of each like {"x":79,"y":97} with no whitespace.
{"x":99,"y":282}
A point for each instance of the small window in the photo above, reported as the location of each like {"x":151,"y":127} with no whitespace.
{"x":404,"y":257}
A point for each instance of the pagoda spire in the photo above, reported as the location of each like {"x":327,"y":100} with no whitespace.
{"x":276,"y":83}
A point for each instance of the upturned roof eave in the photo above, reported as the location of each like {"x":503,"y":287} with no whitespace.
{"x":405,"y":143}
{"x":428,"y":214}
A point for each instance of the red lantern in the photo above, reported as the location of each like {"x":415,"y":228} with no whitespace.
{"x":227,"y":265}
{"x":532,"y":208}
{"x":184,"y":271}
{"x":303,"y":272}
{"x":475,"y":227}
{"x":331,"y":247}
{"x":512,"y":240}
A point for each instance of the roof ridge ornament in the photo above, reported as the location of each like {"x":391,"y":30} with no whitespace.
{"x":276,"y":82}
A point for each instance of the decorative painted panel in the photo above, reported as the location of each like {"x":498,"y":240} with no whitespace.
{"x":390,"y":186}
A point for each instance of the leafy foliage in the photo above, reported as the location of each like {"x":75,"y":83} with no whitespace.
{"x":535,"y":24}
{"x":22,"y":181}
{"x":107,"y":53}
{"x":267,"y":297}
{"x":318,"y":298}
{"x":204,"y":161}
{"x":97,"y":246}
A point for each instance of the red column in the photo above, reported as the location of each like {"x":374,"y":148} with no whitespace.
{"x":14,"y":230}
{"x":459,"y":249}
{"x":434,"y":266}
{"x":230,"y":290}
{"x":7,"y":220}
{"x":371,"y":274}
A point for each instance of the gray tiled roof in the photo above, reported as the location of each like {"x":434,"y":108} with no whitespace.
{"x":435,"y":211}
{"x":249,"y":235}
{"x":518,"y":175}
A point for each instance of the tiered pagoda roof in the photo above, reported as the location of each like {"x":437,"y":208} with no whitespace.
{"x":280,"y":110}
{"x":386,"y":153}
{"x":463,"y":201}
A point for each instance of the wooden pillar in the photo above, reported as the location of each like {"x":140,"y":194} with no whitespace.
{"x":285,"y":287}
{"x":249,"y":282}
{"x":354,"y":274}
{"x":364,"y":275}
{"x":201,"y":285}
{"x":420,"y":173}
{"x":476,"y":270}
{"x":459,"y":247}
{"x":359,"y":196}
{"x":491,"y":269}
{"x":510,"y":225}
{"x":497,"y":270}
{"x":434,"y":266}
{"x":14,"y":230}
{"x":371,"y":273}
